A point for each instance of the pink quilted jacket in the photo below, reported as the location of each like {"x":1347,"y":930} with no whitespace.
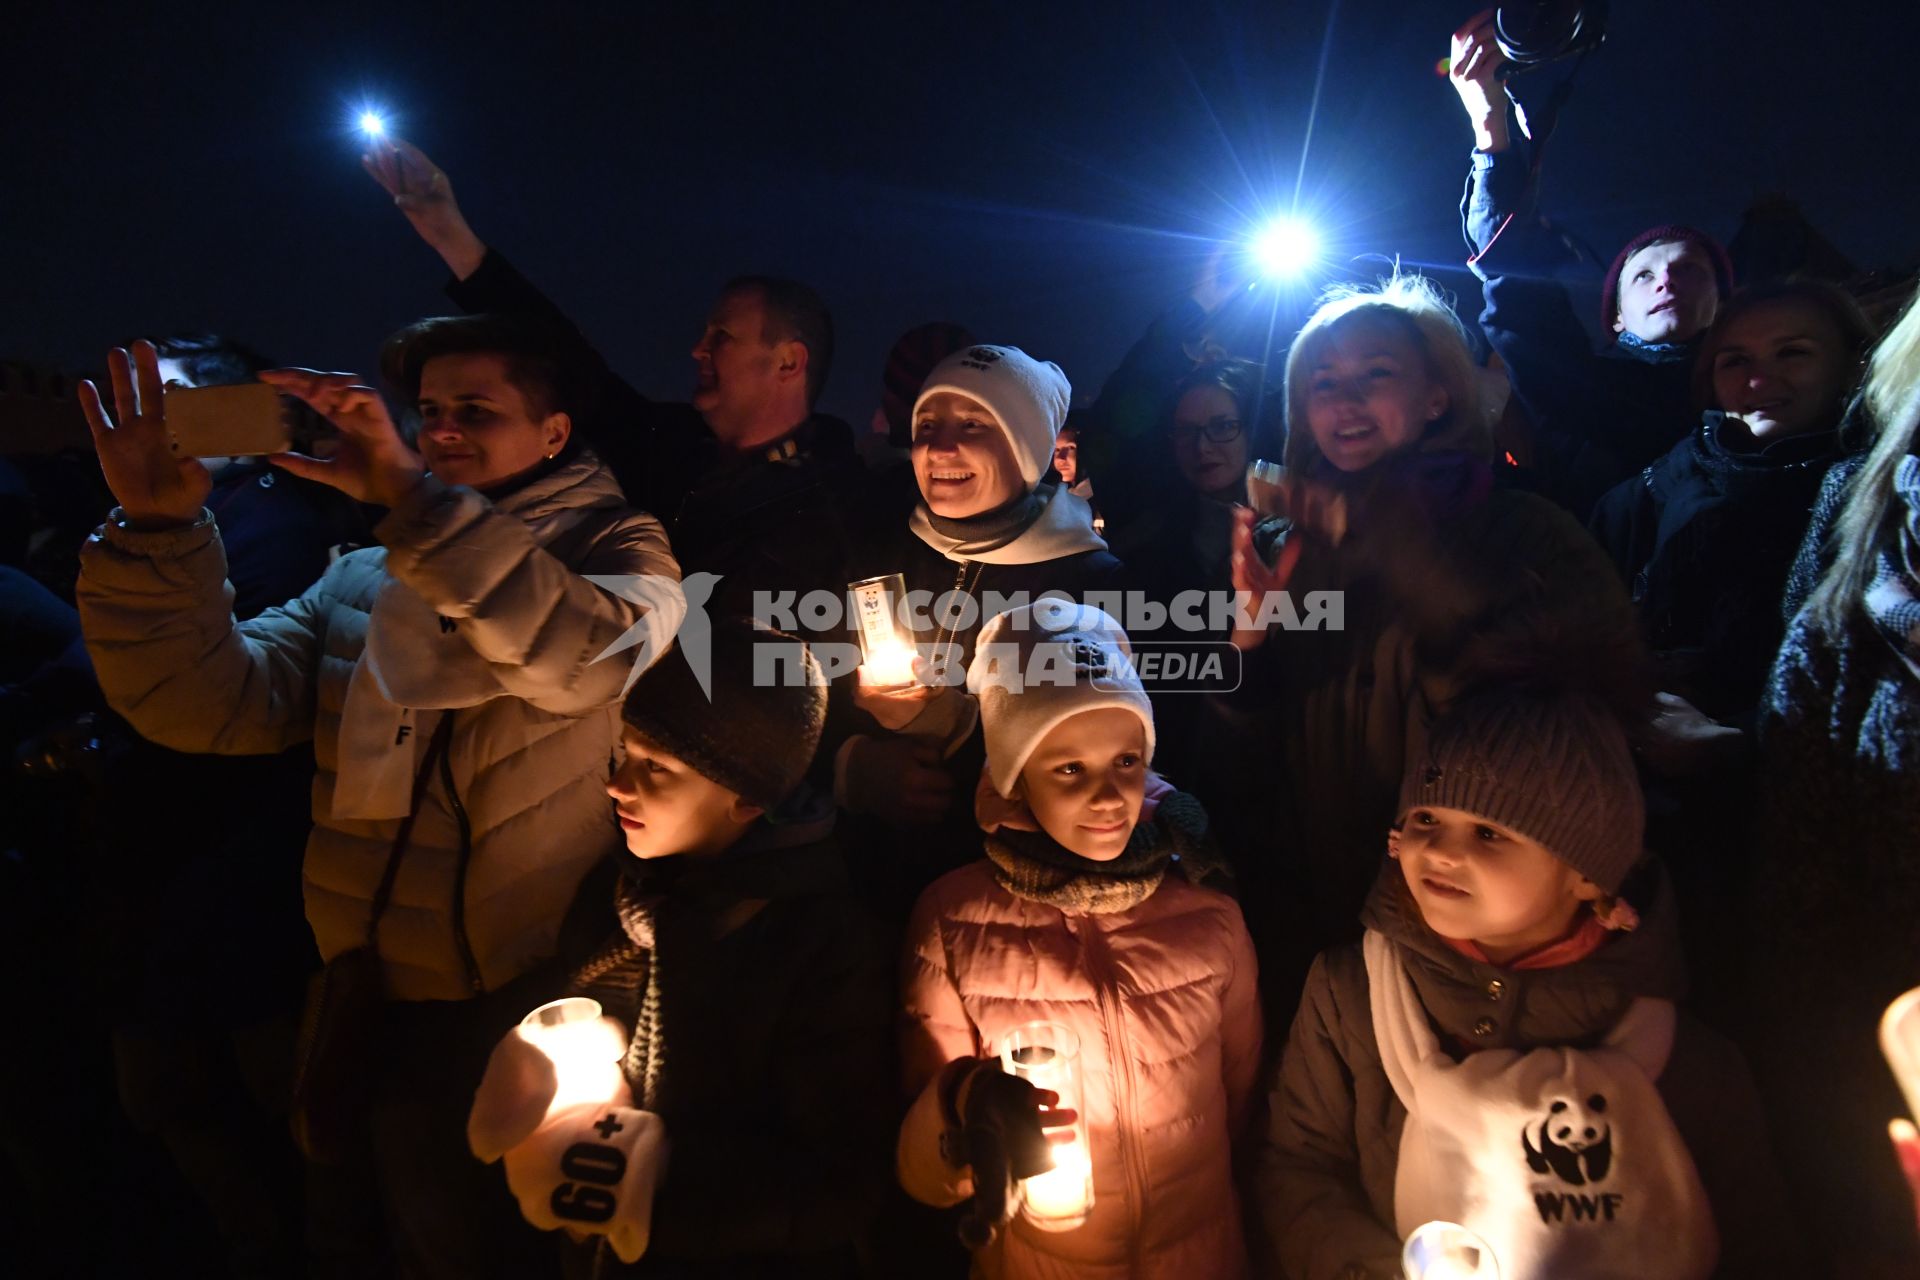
{"x":1163,"y":999}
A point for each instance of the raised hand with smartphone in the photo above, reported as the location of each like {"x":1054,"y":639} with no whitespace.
{"x":156,"y":487}
{"x":371,"y":463}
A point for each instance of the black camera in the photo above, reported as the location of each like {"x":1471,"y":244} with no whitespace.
{"x":1541,"y":31}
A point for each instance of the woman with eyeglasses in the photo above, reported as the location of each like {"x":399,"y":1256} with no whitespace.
{"x":1219,"y":420}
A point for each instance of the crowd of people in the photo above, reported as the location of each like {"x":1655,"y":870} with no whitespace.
{"x":474,"y":857}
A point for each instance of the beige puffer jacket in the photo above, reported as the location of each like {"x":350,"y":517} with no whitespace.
{"x":528,"y":762}
{"x":1163,"y":999}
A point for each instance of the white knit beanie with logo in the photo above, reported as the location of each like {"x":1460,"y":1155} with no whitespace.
{"x":1029,"y":398}
{"x":1037,"y":665}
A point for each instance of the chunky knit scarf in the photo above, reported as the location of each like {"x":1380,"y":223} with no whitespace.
{"x":625,"y":978}
{"x":1035,"y":866}
{"x":1893,"y":598}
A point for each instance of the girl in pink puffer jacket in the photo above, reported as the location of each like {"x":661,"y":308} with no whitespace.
{"x":1073,"y":919}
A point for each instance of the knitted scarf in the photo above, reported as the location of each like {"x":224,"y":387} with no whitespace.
{"x":995,"y":528}
{"x":1893,"y":598}
{"x":1047,"y":524}
{"x":1655,"y":352}
{"x":625,"y":978}
{"x":1034,"y":866}
{"x":1440,"y":484}
{"x":782,"y":855}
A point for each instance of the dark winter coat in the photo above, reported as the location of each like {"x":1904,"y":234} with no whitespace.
{"x":1704,"y":539}
{"x":1431,"y":608}
{"x":776,"y":1054}
{"x":1837,"y":918}
{"x":1325,"y":1178}
{"x":1597,"y":418}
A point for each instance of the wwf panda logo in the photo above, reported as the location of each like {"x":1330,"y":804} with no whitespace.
{"x":981,"y":358}
{"x":1573,"y":1141}
{"x":1089,"y":660}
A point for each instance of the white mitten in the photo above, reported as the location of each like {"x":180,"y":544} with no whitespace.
{"x":521,"y":1081}
{"x":592,"y":1168}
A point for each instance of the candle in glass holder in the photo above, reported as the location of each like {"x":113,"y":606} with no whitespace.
{"x":1061,"y":1193}
{"x":1266,"y":487}
{"x":1272,"y":493}
{"x":1447,"y":1251}
{"x":1900,"y":1041}
{"x":886,"y":645}
{"x":584,"y":1050}
{"x":1047,"y":1056}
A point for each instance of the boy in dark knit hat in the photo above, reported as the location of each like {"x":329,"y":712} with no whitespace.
{"x":748,"y":1004}
{"x":1502,"y":1049}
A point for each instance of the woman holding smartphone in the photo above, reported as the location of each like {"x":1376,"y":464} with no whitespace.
{"x":447,"y":680}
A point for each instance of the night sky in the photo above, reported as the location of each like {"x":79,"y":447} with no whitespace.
{"x":1049,"y":174}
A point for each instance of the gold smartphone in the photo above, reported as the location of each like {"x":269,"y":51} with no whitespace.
{"x":239,"y":421}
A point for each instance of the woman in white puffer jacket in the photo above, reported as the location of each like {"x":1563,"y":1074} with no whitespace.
{"x":449,"y":677}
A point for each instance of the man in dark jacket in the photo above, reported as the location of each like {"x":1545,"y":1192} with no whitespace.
{"x":1597,"y":418}
{"x":751,"y":483}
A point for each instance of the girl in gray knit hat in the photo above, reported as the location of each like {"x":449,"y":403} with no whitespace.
{"x":1502,"y":1049}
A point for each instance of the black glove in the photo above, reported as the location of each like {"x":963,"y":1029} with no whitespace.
{"x":1001,"y":1141}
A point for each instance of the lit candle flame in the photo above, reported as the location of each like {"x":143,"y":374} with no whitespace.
{"x":1060,"y":1196}
{"x":584,"y":1049}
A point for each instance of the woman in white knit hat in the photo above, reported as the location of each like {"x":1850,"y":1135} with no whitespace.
{"x":986,"y":527}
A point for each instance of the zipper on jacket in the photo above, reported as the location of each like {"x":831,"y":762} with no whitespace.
{"x":1126,"y":1089}
{"x":460,"y":938}
{"x":960,"y":587}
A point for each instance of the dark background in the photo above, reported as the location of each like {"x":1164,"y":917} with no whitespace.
{"x":1049,"y":174}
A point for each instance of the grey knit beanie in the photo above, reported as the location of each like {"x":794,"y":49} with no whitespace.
{"x":1554,"y":768}
{"x":755,"y":741}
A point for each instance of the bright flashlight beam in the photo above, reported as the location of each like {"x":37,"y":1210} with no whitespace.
{"x":373,"y":124}
{"x":1285,"y":248}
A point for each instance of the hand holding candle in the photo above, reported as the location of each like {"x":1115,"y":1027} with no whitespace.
{"x":561,"y":1055}
{"x":584,"y":1048}
{"x":1008,"y":1130}
{"x":1314,"y":508}
{"x":886,"y":641}
{"x":1047,"y":1056}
